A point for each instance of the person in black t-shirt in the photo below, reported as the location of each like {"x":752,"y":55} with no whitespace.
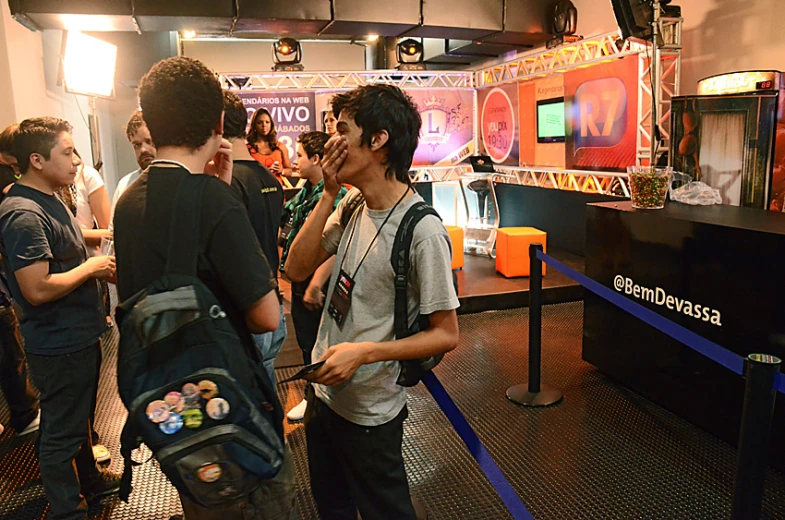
{"x":54,"y":280}
{"x":262,"y":196}
{"x":182,"y":104}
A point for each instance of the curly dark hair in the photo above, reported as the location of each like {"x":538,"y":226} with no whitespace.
{"x":181,"y":101}
{"x":135,"y":122}
{"x":235,"y":116}
{"x":384,"y":107}
{"x":254,"y":136}
{"x":313,"y":143}
{"x":37,"y":135}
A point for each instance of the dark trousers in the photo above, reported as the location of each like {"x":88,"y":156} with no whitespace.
{"x":19,"y":392}
{"x":306,"y":322}
{"x":67,"y":384}
{"x":356,"y":468}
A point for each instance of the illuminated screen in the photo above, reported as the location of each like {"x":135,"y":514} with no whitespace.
{"x":550,"y":121}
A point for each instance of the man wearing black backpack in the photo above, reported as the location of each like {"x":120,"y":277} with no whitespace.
{"x":182,"y":104}
{"x":354,"y":422}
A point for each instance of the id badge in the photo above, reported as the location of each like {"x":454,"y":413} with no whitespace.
{"x":341,"y":299}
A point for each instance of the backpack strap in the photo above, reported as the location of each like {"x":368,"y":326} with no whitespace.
{"x":183,"y":252}
{"x":400,"y":263}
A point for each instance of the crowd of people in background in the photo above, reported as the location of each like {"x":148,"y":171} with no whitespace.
{"x":56,"y":211}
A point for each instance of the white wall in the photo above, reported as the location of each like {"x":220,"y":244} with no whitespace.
{"x":256,"y":56}
{"x":718,"y":35}
{"x":30,"y":86}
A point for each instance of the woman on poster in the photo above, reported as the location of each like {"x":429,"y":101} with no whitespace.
{"x":265,"y":147}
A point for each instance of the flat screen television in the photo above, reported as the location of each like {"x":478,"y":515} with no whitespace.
{"x":550,"y":121}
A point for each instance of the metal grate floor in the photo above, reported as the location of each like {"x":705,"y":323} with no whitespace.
{"x":604,"y":452}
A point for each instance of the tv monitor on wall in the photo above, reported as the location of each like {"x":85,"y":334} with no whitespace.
{"x":550,"y":121}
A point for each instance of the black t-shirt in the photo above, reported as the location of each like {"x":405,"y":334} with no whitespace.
{"x":230,"y":263}
{"x":262,"y":195}
{"x":37,"y":227}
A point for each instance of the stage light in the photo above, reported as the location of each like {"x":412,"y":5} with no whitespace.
{"x":188,"y":34}
{"x":287,"y":53}
{"x":88,"y":65}
{"x":373,"y":37}
{"x":410,"y":55}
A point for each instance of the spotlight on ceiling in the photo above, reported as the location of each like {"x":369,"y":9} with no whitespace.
{"x":287,"y":53}
{"x":410,"y":55}
{"x":188,"y":34}
{"x":372,"y":37}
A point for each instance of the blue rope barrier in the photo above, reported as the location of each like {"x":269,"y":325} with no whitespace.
{"x":711,"y":350}
{"x":477,"y":449}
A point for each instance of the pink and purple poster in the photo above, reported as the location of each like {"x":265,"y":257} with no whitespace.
{"x":447,"y":134}
{"x":293,"y":113}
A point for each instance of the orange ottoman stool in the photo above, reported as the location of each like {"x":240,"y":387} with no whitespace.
{"x":512,"y":249}
{"x":456,"y":237}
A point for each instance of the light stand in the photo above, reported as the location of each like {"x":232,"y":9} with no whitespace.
{"x":95,"y":135}
{"x":654,"y":138}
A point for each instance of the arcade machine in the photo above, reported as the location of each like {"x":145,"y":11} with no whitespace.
{"x":732,"y":137}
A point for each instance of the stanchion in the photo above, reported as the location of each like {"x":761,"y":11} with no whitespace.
{"x":756,"y":416}
{"x":533,"y":393}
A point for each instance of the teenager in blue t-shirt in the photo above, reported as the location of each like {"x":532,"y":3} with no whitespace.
{"x":53,"y":279}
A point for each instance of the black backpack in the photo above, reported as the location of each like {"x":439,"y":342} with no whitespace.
{"x":195,"y":394}
{"x":412,"y":370}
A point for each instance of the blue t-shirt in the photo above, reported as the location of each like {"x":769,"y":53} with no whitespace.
{"x":37,"y":227}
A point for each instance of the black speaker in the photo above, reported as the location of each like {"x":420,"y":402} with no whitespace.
{"x":634,"y":18}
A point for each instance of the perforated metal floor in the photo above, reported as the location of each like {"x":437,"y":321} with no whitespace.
{"x":604,"y":452}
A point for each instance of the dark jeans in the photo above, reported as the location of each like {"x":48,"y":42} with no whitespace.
{"x":306,"y":322}
{"x":356,"y":467}
{"x":67,"y":385}
{"x":18,"y":390}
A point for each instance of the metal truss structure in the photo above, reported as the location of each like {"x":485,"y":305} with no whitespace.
{"x":605,"y":183}
{"x":664,"y":78}
{"x":299,"y":80}
{"x":603,"y":48}
{"x":582,"y":53}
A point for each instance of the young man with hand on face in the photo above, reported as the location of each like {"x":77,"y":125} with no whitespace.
{"x":354,"y":422}
{"x":53,"y":278}
{"x":307,"y":295}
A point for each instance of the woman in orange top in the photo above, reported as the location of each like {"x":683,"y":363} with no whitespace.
{"x":265,"y":147}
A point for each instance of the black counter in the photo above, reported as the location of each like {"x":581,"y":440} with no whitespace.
{"x":728,"y":260}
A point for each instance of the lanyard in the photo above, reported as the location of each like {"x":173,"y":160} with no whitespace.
{"x":378,"y":232}
{"x":174,"y":163}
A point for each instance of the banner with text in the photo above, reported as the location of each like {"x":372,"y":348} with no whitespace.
{"x":602,"y":112}
{"x":499,"y":136}
{"x":292,"y":112}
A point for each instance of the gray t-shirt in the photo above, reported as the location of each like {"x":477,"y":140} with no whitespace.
{"x":372,"y":397}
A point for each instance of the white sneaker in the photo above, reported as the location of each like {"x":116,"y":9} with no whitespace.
{"x":32,"y":427}
{"x":298,"y":412}
{"x":101,"y":454}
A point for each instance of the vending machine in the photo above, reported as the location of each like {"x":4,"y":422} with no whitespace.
{"x":732,"y":137}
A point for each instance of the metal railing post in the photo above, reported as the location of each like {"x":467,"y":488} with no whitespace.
{"x":756,"y":416}
{"x":534,"y":393}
